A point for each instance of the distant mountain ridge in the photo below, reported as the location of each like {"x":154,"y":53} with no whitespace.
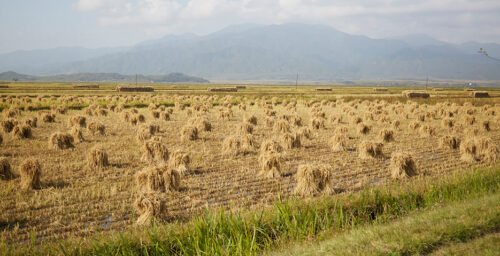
{"x":35,"y":61}
{"x":103,"y":77}
{"x":279,"y":52}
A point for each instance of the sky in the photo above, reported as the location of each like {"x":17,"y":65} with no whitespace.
{"x":42,"y":24}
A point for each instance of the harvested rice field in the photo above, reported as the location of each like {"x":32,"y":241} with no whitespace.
{"x":80,"y":162}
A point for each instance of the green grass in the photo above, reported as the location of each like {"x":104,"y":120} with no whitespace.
{"x":487,"y":245}
{"x":255,"y":92}
{"x":417,"y":234}
{"x":254,"y":231}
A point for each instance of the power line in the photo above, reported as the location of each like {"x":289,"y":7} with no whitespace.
{"x":485,"y":53}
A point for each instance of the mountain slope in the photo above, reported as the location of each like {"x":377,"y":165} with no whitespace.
{"x":103,"y":77}
{"x":36,"y":61}
{"x":317,"y":52}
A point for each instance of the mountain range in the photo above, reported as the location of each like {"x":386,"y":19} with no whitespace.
{"x":103,"y":77}
{"x":272,"y":52}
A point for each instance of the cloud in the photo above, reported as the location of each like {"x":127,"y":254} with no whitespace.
{"x":145,"y":12}
{"x":92,"y":5}
{"x":377,"y":18}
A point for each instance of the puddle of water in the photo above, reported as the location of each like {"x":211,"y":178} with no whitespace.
{"x":107,"y":222}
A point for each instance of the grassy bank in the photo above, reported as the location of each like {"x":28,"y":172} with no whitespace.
{"x":420,"y":233}
{"x":487,"y":245}
{"x":254,"y":231}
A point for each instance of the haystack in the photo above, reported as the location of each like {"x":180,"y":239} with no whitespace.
{"x":248,"y":142}
{"x":416,"y":94}
{"x":486,"y":125}
{"x":232,"y":146}
{"x":269,"y":122}
{"x":189,"y":132}
{"x":154,"y":150}
{"x":161,"y":178}
{"x":137,"y":118}
{"x":100,"y":112}
{"x":336,"y":119}
{"x":155,"y":114}
{"x":487,"y":150}
{"x":281,"y":126}
{"x":296,"y":120}
{"x":305,"y":132}
{"x":224,"y":115}
{"x":356,"y":120}
{"x":270,"y":165}
{"x":402,"y":166}
{"x":203,"y":125}
{"x":60,"y":109}
{"x":88,"y":111}
{"x":395,"y":124}
{"x":421,"y":117}
{"x":270,"y":146}
{"x":369,"y":150}
{"x":245,"y":128}
{"x":386,"y":135}
{"x":61,"y":140}
{"x":317,"y":123}
{"x":48,"y":118}
{"x":427,"y":131}
{"x":338,"y":142}
{"x":8,"y":125}
{"x":126,"y":116}
{"x":96,"y":128}
{"x":165,"y":116}
{"x":143,"y":133}
{"x":30,"y":171}
{"x":21,"y":132}
{"x":470,"y":120}
{"x":479,"y":94}
{"x":5,"y":169}
{"x":77,"y":134}
{"x":471,"y":132}
{"x":78,"y":120}
{"x":449,"y":141}
{"x":97,"y":158}
{"x":31,"y":122}
{"x":251,"y":119}
{"x":149,"y":207}
{"x":223,"y":89}
{"x":313,"y":179}
{"x":363,"y":128}
{"x":180,"y":160}
{"x":134,"y":89}
{"x":468,"y":151}
{"x":414,"y":125}
{"x":291,"y":140}
{"x":11,"y":112}
{"x":341,"y":130}
{"x":448,"y":123}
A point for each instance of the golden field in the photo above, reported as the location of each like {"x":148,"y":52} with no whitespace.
{"x":250,"y":147}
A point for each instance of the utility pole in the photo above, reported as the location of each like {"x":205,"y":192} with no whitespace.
{"x":426,"y":82}
{"x":135,"y":79}
{"x":297,"y":81}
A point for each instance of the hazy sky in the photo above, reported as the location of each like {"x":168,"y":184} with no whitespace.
{"x":35,"y":24}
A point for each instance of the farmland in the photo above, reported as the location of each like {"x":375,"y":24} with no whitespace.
{"x":230,"y":150}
